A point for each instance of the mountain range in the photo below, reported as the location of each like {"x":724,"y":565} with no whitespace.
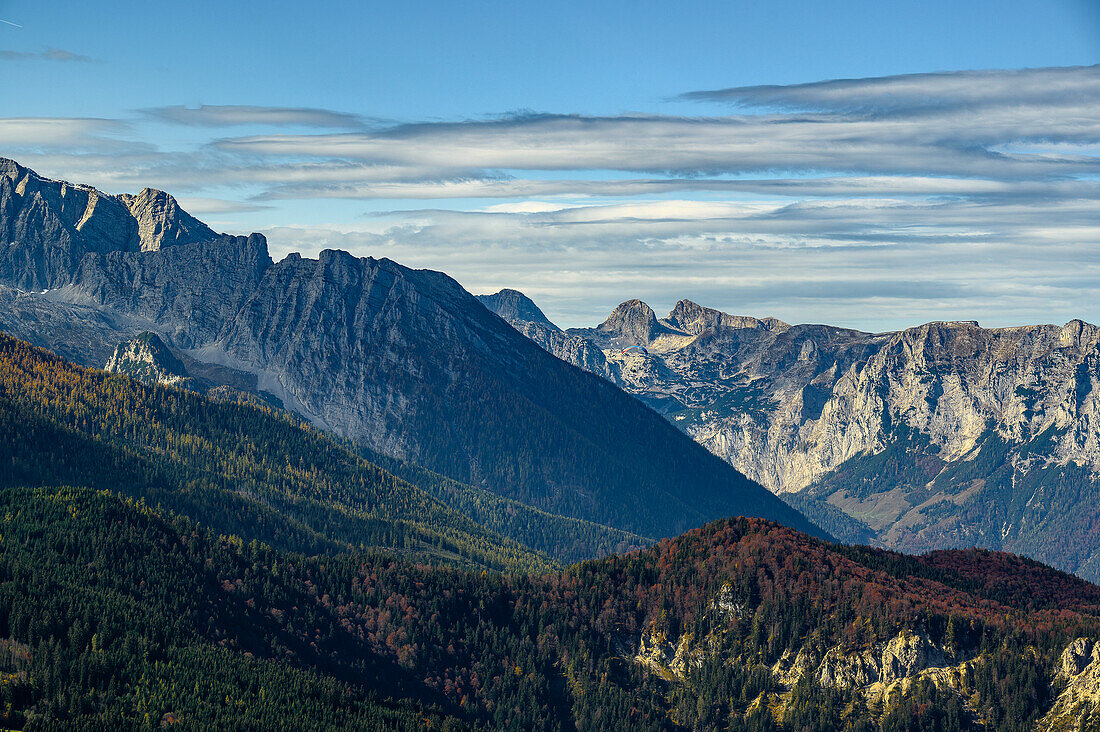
{"x":403,"y":362}
{"x":941,"y":435}
{"x":338,"y":493}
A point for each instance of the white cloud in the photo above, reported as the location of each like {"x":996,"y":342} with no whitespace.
{"x":64,"y":133}
{"x":228,"y":115}
{"x":873,"y":264}
{"x":872,"y":202}
{"x":1044,"y":87}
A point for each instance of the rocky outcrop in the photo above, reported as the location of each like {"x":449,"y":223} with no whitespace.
{"x":675,"y":658}
{"x":1078,"y":705}
{"x":147,"y":359}
{"x":671,"y":661}
{"x":882,"y":673}
{"x":876,"y":671}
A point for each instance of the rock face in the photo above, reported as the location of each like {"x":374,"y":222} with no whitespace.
{"x":876,"y":671}
{"x":148,"y":360}
{"x":1078,"y":705}
{"x":190,"y":292}
{"x":404,"y":361}
{"x":942,"y":435}
{"x":161,"y":222}
{"x":48,"y":226}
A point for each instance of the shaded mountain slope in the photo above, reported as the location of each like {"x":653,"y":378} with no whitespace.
{"x":236,"y":468}
{"x":148,"y":360}
{"x":567,"y":539}
{"x":414,"y":366}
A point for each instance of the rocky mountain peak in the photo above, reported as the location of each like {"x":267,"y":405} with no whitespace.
{"x":693,"y":318}
{"x":513,"y":306}
{"x":161,"y":222}
{"x":632,"y":323}
{"x":1079,"y":334}
{"x":47,"y":226}
{"x":12,"y":169}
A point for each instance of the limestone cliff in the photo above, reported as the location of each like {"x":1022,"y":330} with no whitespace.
{"x":1078,"y":704}
{"x":945,"y":434}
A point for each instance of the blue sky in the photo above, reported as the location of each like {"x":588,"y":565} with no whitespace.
{"x":587,"y":155}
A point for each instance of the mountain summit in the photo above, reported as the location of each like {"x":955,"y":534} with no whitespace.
{"x":693,"y":318}
{"x":513,"y":305}
{"x":632,"y":323}
{"x":49,"y":225}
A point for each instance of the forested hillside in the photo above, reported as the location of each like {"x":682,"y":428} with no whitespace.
{"x":567,"y":539}
{"x":237,"y":468}
{"x":116,"y":615}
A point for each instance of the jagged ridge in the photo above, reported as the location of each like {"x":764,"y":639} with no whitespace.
{"x":50,"y":225}
{"x":945,"y":434}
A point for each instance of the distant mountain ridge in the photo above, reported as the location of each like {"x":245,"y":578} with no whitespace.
{"x":56,"y":223}
{"x":404,"y":361}
{"x":945,"y":434}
